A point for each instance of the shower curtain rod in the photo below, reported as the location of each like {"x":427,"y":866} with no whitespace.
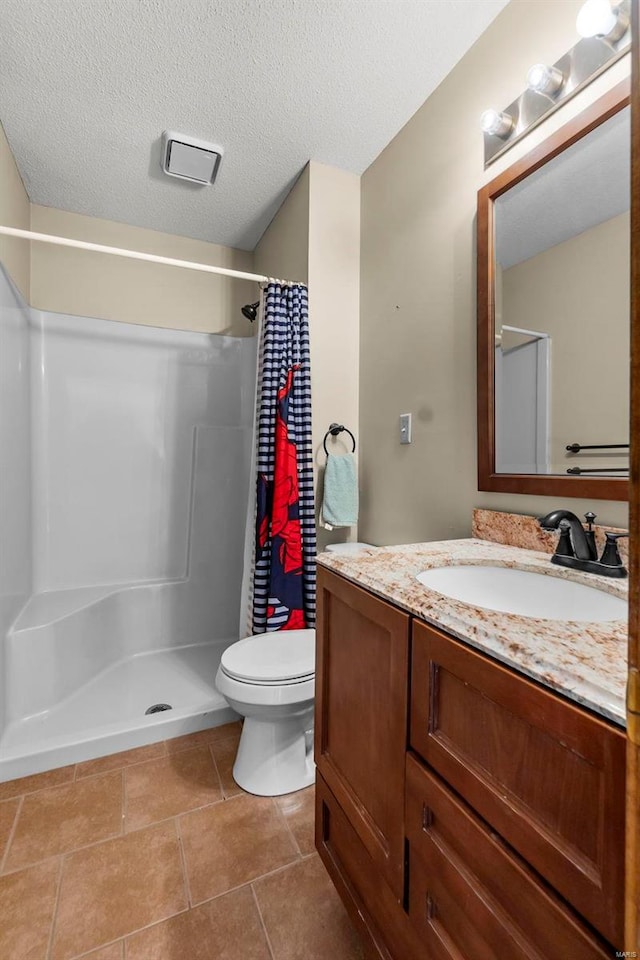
{"x":132,"y":254}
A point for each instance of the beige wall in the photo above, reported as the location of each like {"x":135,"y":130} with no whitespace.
{"x":66,"y":280}
{"x":418,"y":343}
{"x":315,"y":238}
{"x":14,"y":212}
{"x":578,"y":293}
{"x":283,"y":250}
{"x":334,"y":294}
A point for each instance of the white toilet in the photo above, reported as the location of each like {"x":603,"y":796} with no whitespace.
{"x":269,"y":679}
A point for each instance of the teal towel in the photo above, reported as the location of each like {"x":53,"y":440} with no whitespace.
{"x":340,"y":501}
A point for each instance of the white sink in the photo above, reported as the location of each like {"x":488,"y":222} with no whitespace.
{"x":524,"y":593}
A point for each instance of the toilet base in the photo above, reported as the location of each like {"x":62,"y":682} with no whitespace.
{"x":276,"y":756}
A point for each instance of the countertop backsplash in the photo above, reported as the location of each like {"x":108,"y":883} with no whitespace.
{"x":519,"y":530}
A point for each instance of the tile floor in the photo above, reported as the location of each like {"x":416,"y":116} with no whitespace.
{"x":156,"y":854}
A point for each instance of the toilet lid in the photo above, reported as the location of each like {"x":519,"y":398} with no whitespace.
{"x":285,"y":656}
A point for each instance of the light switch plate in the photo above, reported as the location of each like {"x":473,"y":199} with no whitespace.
{"x":405,"y":428}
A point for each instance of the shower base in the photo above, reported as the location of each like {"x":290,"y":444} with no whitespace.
{"x":107,"y":714}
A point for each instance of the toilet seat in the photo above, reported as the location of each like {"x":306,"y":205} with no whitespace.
{"x":271,"y":659}
{"x":267,"y":683}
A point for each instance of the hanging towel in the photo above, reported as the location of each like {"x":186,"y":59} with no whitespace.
{"x":340,"y":502}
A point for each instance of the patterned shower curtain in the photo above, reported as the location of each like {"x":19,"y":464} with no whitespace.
{"x":284,"y":584}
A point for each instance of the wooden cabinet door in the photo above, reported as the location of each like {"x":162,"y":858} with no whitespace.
{"x":548,"y":776}
{"x":362,"y":676}
{"x":385,"y":928}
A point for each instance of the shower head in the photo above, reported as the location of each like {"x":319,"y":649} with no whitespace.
{"x":250,"y":310}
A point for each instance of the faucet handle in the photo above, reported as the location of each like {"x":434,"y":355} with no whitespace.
{"x":564,"y":547}
{"x":611,"y":555}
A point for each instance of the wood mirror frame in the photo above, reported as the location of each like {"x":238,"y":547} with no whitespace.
{"x":600,"y":488}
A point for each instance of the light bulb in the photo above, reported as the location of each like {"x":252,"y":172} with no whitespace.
{"x":597,"y":19}
{"x":496,"y":124}
{"x":544,"y":79}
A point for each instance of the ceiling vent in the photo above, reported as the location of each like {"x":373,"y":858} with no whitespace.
{"x":189,"y":158}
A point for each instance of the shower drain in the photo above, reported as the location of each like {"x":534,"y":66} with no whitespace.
{"x":158,"y":708}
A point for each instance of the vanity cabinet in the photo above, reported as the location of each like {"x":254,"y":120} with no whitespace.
{"x":463,"y":811}
{"x":362,"y":667}
{"x":469,"y":895}
{"x":548,"y":776}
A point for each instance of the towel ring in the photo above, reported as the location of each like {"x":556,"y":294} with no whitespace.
{"x":334,"y":430}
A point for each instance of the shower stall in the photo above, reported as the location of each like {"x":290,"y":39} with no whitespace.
{"x":125,"y":458}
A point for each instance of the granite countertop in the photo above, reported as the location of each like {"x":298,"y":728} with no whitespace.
{"x":586,"y":662}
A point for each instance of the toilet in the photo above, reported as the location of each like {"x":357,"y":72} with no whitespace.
{"x":269,"y":679}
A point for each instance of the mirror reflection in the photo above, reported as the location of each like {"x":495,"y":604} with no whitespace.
{"x":562,"y":311}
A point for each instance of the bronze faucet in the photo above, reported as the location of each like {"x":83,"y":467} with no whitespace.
{"x":577,"y":547}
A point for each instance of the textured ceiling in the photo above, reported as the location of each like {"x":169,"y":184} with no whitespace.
{"x":582,"y":187}
{"x":88,"y":86}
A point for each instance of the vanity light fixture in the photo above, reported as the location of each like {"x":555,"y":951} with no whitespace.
{"x":603,"y":27}
{"x":544,"y":79}
{"x":597,"y":18}
{"x":496,"y":124}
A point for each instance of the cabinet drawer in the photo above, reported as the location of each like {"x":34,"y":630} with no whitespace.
{"x":469,"y":896}
{"x":383,"y":922}
{"x":362,"y":704}
{"x":548,"y":776}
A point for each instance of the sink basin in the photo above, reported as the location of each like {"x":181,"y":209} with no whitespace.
{"x":522,"y":592}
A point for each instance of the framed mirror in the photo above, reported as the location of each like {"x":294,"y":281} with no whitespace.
{"x":553,"y":313}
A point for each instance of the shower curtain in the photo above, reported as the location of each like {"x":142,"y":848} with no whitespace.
{"x":284,"y":579}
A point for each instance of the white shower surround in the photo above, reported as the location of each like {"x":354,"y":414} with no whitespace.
{"x":127,"y":452}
